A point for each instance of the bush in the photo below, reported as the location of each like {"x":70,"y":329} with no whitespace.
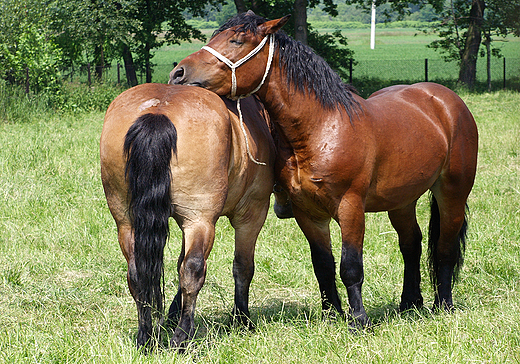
{"x":18,"y":107}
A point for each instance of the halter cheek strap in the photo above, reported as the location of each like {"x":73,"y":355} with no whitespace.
{"x":237,"y":64}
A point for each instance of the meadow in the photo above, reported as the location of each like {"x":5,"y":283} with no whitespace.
{"x":64,"y":297}
{"x":398,"y":57}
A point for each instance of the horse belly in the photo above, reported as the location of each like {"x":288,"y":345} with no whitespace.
{"x":402,"y":175}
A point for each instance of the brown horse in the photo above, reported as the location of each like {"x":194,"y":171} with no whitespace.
{"x":340,"y":156}
{"x":177,"y":151}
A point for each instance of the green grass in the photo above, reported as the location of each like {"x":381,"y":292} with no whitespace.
{"x":398,"y":56}
{"x":64,"y":298}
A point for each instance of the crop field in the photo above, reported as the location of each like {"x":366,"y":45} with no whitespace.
{"x":64,"y":297}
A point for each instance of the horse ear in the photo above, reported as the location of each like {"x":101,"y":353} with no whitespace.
{"x":272,"y":26}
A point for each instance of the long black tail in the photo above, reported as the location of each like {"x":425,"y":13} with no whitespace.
{"x":148,"y":148}
{"x":433,"y":240}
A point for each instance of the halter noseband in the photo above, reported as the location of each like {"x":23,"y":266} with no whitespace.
{"x":237,"y":64}
{"x":243,"y":60}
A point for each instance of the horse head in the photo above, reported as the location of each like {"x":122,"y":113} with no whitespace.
{"x":239,"y":42}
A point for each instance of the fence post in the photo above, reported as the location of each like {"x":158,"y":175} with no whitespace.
{"x":426,"y":70}
{"x":118,"y":74}
{"x":89,"y":81}
{"x":350,"y":71}
{"x":27,"y":80}
{"x":504,"y":73}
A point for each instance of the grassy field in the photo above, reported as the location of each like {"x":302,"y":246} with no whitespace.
{"x":398,"y":57}
{"x":64,"y":298}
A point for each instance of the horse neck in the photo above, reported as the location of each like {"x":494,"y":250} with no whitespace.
{"x":297,"y":114}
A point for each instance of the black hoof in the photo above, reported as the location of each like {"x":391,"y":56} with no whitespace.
{"x":410,"y":305}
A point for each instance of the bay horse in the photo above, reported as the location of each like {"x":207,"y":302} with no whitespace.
{"x":178,"y":151}
{"x":339,"y":155}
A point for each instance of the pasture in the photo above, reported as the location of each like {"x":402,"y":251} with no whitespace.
{"x":398,"y":56}
{"x":64,"y":296}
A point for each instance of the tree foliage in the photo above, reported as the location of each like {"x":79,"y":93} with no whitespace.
{"x":51,"y":35}
{"x":332,"y":47}
{"x":26,"y":43}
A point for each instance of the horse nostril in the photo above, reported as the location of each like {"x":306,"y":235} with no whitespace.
{"x":177,"y":76}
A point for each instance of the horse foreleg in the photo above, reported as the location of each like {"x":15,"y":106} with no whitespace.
{"x":351,"y":216}
{"x":405,"y":223}
{"x":317,"y":233}
{"x":198,"y":241}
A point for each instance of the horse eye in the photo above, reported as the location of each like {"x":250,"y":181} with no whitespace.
{"x":236,"y":41}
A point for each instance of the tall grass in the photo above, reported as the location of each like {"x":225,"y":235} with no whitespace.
{"x":17,"y":106}
{"x":64,"y":298}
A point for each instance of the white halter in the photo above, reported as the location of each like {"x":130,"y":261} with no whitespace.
{"x":237,"y":64}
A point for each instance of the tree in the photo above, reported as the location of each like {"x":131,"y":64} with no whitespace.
{"x":162,"y":21}
{"x":99,"y":31}
{"x":461,"y":27}
{"x":332,"y":47}
{"x":27,"y":43}
{"x":89,"y":31}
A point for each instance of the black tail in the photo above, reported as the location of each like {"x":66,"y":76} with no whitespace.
{"x":148,"y":148}
{"x":433,"y":240}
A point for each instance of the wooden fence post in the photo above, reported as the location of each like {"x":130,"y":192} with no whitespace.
{"x":89,"y":80}
{"x":504,"y":73}
{"x":350,"y":71}
{"x":426,"y":70}
{"x":27,"y":80}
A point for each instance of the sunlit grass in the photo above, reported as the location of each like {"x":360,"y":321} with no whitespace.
{"x":63,"y":286}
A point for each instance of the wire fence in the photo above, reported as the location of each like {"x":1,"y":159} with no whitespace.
{"x":366,"y":75}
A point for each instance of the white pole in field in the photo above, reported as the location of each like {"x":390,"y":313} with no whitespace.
{"x":373,"y":26}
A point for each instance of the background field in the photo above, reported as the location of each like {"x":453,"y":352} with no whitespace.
{"x":398,"y":57}
{"x":64,"y":298}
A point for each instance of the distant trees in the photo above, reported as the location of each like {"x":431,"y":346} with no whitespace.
{"x":462,"y":26}
{"x":332,"y":47}
{"x":50,"y":35}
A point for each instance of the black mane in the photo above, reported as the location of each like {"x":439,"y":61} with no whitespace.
{"x":305,"y":70}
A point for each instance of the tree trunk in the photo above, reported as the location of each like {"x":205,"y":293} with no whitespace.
{"x":241,"y":6}
{"x":100,"y":62}
{"x":300,"y":20}
{"x":131,"y":76}
{"x":147,"y":57}
{"x":468,"y":63}
{"x":487,"y":41}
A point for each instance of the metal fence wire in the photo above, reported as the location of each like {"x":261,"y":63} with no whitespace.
{"x":504,"y":73}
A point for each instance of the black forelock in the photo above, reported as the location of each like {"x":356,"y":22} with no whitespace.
{"x":245,"y":22}
{"x":305,"y":70}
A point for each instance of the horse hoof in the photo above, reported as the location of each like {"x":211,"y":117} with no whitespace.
{"x":410,"y":305}
{"x":358,"y":325}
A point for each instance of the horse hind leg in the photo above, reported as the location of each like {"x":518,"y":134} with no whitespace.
{"x":405,"y":223}
{"x":447,"y":239}
{"x":175,"y":308}
{"x":198,"y":242}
